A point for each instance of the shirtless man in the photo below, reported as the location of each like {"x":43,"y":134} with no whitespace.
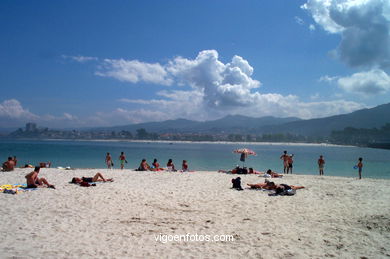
{"x":285,"y":158}
{"x":9,"y":165}
{"x":34,"y":182}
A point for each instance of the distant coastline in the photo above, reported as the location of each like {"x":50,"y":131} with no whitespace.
{"x":188,"y":142}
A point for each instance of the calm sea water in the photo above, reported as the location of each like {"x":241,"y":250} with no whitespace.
{"x":200,"y":156}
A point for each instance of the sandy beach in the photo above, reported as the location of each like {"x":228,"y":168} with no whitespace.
{"x":137,"y":214}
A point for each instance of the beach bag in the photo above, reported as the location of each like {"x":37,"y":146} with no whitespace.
{"x":237,"y":183}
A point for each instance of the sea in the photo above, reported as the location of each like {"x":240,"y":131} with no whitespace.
{"x":339,"y":160}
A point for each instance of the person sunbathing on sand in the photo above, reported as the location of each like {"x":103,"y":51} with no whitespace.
{"x":251,"y":171}
{"x":272,"y":174}
{"x":267,"y":185}
{"x":34,"y":182}
{"x":97,"y":178}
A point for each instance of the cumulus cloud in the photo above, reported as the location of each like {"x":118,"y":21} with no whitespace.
{"x":14,"y":110}
{"x":364,"y":26}
{"x":218,"y":89}
{"x":134,"y":71}
{"x":373,"y":82}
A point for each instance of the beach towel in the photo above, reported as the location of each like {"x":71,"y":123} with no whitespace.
{"x":15,"y":188}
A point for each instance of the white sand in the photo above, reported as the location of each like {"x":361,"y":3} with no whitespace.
{"x":332,"y":217}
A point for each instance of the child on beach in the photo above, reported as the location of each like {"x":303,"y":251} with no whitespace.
{"x":360,"y":167}
{"x":109,"y":162}
{"x":34,"y":182}
{"x":122,"y":159}
{"x":321,"y":164}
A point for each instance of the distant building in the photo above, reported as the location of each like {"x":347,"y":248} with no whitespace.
{"x":31,"y":127}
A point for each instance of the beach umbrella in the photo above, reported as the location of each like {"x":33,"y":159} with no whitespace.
{"x":245,"y":152}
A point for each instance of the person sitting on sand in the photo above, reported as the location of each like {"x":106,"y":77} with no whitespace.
{"x":33,"y":181}
{"x":143,"y":166}
{"x":97,"y":178}
{"x":184,"y":166}
{"x":171,"y":166}
{"x":9,"y":165}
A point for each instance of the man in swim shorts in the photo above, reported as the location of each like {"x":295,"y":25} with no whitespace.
{"x":34,"y":182}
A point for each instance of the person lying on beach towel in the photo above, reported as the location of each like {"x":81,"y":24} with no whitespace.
{"x":235,"y":170}
{"x":97,"y":178}
{"x":33,"y":181}
{"x":251,"y":171}
{"x":267,"y":185}
{"x":271,"y":174}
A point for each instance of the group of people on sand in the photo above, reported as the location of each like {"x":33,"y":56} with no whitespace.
{"x":144,"y":166}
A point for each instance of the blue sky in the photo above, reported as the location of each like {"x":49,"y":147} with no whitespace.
{"x":102,"y":63}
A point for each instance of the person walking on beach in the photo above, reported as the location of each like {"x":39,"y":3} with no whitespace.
{"x":360,"y":167}
{"x":109,"y":162}
{"x":321,"y":164}
{"x":122,"y":159}
{"x":285,"y":158}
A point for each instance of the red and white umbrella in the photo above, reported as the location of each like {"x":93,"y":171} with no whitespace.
{"x":244,"y":154}
{"x":245,"y":151}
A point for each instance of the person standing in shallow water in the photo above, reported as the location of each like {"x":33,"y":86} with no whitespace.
{"x":360,"y":167}
{"x":321,"y":164}
{"x":109,"y":162}
{"x":122,"y":159}
{"x":285,"y":158}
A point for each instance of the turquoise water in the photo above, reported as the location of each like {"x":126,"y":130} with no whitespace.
{"x":200,"y":156}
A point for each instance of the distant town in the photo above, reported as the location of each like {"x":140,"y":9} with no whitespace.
{"x":348,"y":136}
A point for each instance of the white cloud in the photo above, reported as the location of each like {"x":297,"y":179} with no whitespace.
{"x":299,"y":20}
{"x":364,"y":26}
{"x":134,"y":71}
{"x":373,"y":82}
{"x":327,"y":78}
{"x":80,"y":59}
{"x":312,"y":27}
{"x":221,"y":88}
{"x":14,"y":110}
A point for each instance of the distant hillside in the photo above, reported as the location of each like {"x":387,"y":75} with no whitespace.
{"x":366,"y":118}
{"x":229,"y":124}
